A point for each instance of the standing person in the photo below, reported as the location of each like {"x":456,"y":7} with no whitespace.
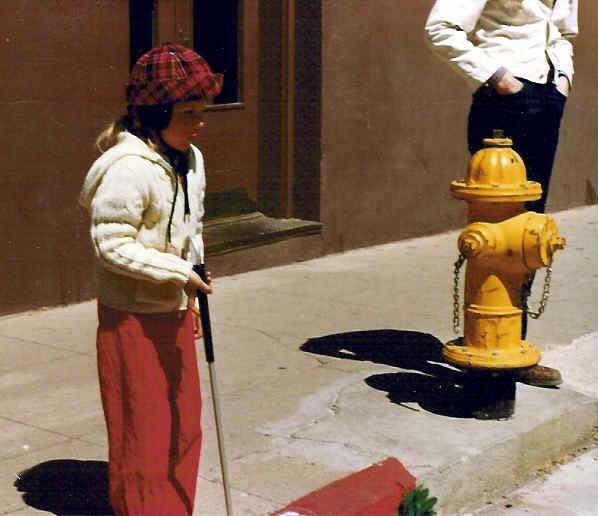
{"x":519,"y":55}
{"x":145,"y":197}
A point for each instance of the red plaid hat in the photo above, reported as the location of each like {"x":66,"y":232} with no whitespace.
{"x":171,"y":73}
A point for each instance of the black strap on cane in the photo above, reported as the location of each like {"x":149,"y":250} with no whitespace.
{"x":204,"y":315}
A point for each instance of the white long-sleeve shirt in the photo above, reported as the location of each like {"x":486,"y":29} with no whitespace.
{"x":526,"y":37}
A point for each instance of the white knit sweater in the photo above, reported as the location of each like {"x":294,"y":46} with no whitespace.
{"x":480,"y":37}
{"x":129,"y":193}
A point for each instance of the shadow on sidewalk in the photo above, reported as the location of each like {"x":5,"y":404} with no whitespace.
{"x":67,"y":487}
{"x":437,"y":387}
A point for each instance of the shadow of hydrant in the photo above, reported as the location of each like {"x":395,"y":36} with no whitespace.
{"x":436,"y":386}
{"x":67,"y":487}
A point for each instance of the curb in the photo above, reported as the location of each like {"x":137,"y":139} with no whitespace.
{"x":502,"y":467}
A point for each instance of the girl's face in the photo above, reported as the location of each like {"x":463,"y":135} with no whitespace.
{"x":187,"y":119}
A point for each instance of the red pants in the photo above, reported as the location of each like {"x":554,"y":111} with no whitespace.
{"x":152,"y":403}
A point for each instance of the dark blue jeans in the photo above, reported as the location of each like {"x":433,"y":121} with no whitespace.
{"x":532,"y":119}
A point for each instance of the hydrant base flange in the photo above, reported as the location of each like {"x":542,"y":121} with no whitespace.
{"x":469,"y":357}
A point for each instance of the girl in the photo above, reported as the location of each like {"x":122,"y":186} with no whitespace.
{"x":145,"y":197}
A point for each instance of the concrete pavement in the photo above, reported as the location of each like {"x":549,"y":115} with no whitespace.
{"x":567,"y":490}
{"x":325,"y":367}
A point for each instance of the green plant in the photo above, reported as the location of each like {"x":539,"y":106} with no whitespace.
{"x":417,"y":503}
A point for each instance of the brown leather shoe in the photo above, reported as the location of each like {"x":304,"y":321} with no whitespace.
{"x":539,"y":376}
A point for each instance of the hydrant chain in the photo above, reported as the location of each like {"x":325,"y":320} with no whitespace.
{"x":456,"y":304}
{"x":525,"y":293}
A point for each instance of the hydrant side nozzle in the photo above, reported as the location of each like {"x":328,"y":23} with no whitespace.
{"x":540,"y":241}
{"x":476,"y":239}
{"x":557,"y":243}
{"x":470,"y":246}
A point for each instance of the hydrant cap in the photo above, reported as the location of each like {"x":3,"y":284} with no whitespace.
{"x":497,"y":141}
{"x":476,"y":239}
{"x":541,"y":240}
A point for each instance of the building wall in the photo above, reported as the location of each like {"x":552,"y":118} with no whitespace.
{"x":62,"y":67}
{"x":392,"y":121}
{"x":394,"y":125}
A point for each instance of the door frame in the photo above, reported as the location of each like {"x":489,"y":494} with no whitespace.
{"x":290,"y":105}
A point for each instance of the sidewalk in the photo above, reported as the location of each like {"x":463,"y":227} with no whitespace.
{"x":325,"y":367}
{"x":567,"y":489}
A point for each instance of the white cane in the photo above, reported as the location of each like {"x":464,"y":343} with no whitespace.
{"x":204,"y":313}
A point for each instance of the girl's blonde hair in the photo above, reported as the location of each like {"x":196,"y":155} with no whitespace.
{"x":145,"y":122}
{"x":109,"y":136}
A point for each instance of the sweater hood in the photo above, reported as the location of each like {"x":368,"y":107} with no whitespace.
{"x":127,"y":145}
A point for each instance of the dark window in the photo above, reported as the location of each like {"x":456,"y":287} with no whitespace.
{"x":142,"y":22}
{"x":216,"y":37}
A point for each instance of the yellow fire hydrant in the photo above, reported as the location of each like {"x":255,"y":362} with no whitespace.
{"x":503,"y":245}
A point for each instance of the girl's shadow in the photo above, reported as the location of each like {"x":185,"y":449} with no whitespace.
{"x":67,"y":487}
{"x":436,"y":386}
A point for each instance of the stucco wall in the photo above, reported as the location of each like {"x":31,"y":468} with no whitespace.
{"x":394,"y":125}
{"x":62,"y":67}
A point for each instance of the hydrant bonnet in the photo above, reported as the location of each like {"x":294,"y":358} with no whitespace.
{"x":496,"y":173}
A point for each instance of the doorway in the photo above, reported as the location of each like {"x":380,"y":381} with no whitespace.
{"x":261,"y":139}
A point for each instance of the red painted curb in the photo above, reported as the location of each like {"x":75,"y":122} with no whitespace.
{"x":374,"y":491}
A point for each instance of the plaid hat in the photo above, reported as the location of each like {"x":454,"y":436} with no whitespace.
{"x":171,"y":73}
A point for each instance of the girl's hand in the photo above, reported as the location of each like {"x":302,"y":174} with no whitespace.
{"x":197,"y":328}
{"x":193,"y":284}
{"x":196,"y":283}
